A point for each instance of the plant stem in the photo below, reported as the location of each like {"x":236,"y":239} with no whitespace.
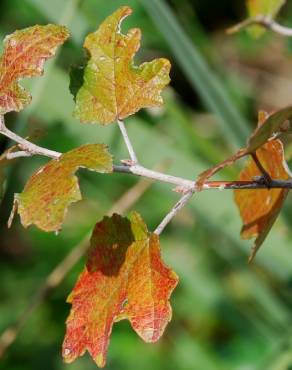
{"x":173,"y":212}
{"x":183,"y":184}
{"x":127,"y":141}
{"x":266,"y":177}
{"x":264,"y":21}
{"x":26,"y":145}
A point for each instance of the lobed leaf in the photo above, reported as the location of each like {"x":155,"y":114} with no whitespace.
{"x":24,"y":54}
{"x":259,"y":208}
{"x":113,"y":87}
{"x":54,"y":187}
{"x":125,"y":278}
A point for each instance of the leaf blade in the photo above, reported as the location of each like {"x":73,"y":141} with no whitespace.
{"x":24,"y":54}
{"x":124,"y":261}
{"x":259,"y":209}
{"x":113,"y":87}
{"x":54,"y":186}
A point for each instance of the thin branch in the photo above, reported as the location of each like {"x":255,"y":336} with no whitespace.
{"x":155,"y":175}
{"x":264,"y":21}
{"x":127,"y":141}
{"x":184,"y":184}
{"x":19,"y":154}
{"x":177,"y":207}
{"x":24,"y":144}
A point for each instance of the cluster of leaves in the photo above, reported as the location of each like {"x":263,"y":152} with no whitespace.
{"x":124,"y":277}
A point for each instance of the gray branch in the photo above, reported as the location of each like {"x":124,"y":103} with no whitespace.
{"x":173,"y":212}
{"x":24,"y":144}
{"x":127,"y":141}
{"x":264,"y":21}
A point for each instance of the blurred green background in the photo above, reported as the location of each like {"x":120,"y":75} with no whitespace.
{"x":226,"y":314}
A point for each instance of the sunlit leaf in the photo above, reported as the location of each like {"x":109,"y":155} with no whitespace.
{"x":54,"y":187}
{"x":24,"y":54}
{"x":113,"y":87}
{"x":125,"y":278}
{"x":260,"y":208}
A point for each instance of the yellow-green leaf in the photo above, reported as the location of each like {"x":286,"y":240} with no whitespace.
{"x":113,"y":87}
{"x":54,"y":186}
{"x":263,"y":7}
{"x":24,"y":54}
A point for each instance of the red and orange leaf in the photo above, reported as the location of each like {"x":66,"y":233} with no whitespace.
{"x":24,"y":54}
{"x":54,"y":187}
{"x":125,"y":278}
{"x":113,"y":87}
{"x":259,"y":208}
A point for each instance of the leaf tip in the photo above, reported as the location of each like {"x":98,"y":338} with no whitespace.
{"x":100,"y":360}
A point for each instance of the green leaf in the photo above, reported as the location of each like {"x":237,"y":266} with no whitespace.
{"x":264,"y":7}
{"x":268,"y":8}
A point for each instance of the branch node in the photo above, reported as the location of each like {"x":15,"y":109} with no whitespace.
{"x":265,"y":178}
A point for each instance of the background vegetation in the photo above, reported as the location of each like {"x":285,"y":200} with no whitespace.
{"x":226,"y":314}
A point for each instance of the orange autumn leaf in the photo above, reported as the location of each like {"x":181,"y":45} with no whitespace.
{"x":259,"y":208}
{"x":24,"y":54}
{"x":125,"y":278}
{"x":113,"y":87}
{"x":54,"y":187}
